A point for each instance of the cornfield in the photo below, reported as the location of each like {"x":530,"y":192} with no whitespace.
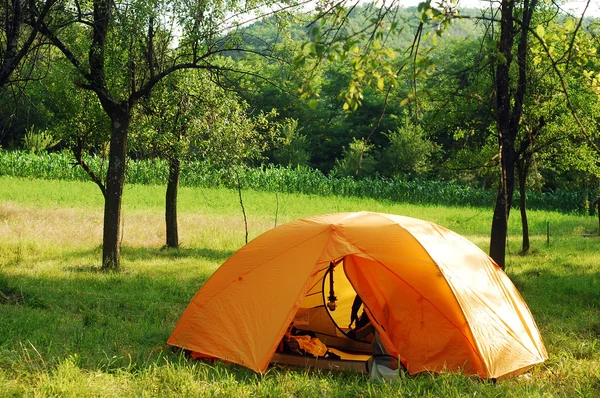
{"x":303,"y":180}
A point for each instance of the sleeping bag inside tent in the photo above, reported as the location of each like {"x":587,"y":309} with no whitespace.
{"x":434,"y":299}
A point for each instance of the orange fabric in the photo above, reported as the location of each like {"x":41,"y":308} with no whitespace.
{"x":311,"y":345}
{"x":438,"y":302}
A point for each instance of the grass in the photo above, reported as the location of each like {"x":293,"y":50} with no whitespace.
{"x":67,"y":330}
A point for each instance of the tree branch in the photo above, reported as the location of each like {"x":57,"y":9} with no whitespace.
{"x":10,"y":62}
{"x":147,"y":87}
{"x":66,"y":52}
{"x":565,"y":90}
{"x":522,"y":49}
{"x":77,"y":153}
{"x":570,"y":52}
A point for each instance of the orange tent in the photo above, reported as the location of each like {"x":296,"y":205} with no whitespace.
{"x":438,"y":302}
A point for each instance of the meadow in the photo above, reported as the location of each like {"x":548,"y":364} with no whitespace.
{"x":68,"y":330}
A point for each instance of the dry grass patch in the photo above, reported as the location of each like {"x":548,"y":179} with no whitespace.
{"x":79,"y":227}
{"x":69,"y":226}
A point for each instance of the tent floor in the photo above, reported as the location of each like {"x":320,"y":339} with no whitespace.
{"x":357,"y":363}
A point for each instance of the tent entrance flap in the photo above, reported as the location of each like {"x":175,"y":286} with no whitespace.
{"x":330,"y":322}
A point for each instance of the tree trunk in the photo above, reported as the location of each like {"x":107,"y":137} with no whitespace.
{"x":598,"y":205}
{"x":586,"y":197}
{"x":506,"y":144}
{"x":171,"y":203}
{"x":11,"y":31}
{"x":115,"y":179}
{"x":502,"y":208}
{"x":508,"y":120}
{"x":522,"y":207}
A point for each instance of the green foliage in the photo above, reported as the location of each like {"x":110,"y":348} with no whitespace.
{"x":292,"y":149}
{"x":231,"y":138}
{"x":38,"y":141}
{"x":74,"y":116}
{"x":320,"y":110}
{"x":472,"y":164}
{"x":408,"y":153}
{"x":357,"y":160}
{"x":189,"y":116}
{"x":445,"y":84}
{"x":560,"y":154}
{"x":370,"y":61}
{"x":56,"y":166}
{"x":385,"y":47}
{"x":290,"y":180}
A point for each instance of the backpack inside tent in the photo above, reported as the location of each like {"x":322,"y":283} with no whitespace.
{"x":435,"y":301}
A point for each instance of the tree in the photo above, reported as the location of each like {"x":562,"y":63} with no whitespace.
{"x":188,"y":117}
{"x":564,"y":52}
{"x":356,"y":160}
{"x":373,"y":66}
{"x":509,"y":109}
{"x":162,"y":132}
{"x":544,"y":107}
{"x":127,"y":49}
{"x":20,"y":23}
{"x":292,"y":148}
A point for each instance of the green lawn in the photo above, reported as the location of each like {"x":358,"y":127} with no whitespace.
{"x":68,"y":330}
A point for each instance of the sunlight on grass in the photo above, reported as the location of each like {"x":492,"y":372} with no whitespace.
{"x":68,"y":330}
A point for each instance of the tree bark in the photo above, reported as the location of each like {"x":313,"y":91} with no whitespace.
{"x":502,"y":208}
{"x":12,"y":30}
{"x":115,"y":179}
{"x":171,"y":203}
{"x":509,"y":109}
{"x":503,"y":117}
{"x":522,"y":170}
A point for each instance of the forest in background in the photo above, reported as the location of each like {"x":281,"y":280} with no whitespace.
{"x":444,"y":133}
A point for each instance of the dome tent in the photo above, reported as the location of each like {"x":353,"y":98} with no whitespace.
{"x":438,"y":302}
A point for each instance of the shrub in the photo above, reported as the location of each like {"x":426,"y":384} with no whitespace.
{"x":408,"y":152}
{"x":38,"y":141}
{"x":356,"y":160}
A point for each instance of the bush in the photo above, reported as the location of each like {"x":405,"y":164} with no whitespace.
{"x":407,"y":154}
{"x":293,"y":146}
{"x":38,"y":141}
{"x":356,"y":161}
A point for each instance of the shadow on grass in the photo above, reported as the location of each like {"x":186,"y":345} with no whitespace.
{"x":109,"y":320}
{"x":563,"y":299}
{"x":92,"y":256}
{"x":148,"y":253}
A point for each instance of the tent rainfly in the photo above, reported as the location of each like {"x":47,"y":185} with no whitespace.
{"x":438,"y":302}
